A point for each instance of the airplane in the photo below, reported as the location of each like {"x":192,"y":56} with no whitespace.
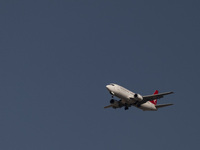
{"x":128,"y":99}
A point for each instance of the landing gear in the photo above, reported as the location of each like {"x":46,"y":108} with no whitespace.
{"x":112,"y":94}
{"x":137,"y":104}
{"x":126,"y":108}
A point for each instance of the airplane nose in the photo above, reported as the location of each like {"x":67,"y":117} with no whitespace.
{"x":108,"y":87}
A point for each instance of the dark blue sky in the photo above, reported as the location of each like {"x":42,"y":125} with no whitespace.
{"x":56,"y":58}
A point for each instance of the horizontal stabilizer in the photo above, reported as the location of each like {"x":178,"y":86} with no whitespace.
{"x":163,"y":105}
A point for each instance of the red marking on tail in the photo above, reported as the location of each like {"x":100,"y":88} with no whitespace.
{"x":155,"y":100}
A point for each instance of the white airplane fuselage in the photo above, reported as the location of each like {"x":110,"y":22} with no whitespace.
{"x":125,"y":94}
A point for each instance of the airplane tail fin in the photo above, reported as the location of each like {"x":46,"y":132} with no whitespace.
{"x":155,"y":100}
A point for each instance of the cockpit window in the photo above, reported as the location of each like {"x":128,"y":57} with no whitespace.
{"x":112,"y":84}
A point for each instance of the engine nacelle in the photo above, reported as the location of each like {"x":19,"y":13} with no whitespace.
{"x":138,"y":97}
{"x":115,"y":103}
{"x":135,"y":95}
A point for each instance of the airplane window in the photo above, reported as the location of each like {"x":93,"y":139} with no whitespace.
{"x":112,"y":84}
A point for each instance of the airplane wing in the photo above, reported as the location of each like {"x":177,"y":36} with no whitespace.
{"x":163,"y":105}
{"x":153,"y":97}
{"x":108,"y":106}
{"x":156,"y":96}
{"x":116,"y":104}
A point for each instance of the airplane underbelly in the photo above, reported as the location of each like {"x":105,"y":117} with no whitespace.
{"x":147,"y":106}
{"x":122,"y":95}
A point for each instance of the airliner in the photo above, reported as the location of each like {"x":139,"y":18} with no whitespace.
{"x":128,"y":99}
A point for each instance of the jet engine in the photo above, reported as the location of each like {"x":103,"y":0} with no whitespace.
{"x":135,"y":95}
{"x":115,"y":103}
{"x":138,"y":97}
{"x":112,"y":101}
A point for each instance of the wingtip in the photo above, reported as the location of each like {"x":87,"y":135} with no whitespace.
{"x":171,"y":92}
{"x":108,"y":106}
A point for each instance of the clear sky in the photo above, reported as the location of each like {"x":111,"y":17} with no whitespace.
{"x":57,"y":56}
